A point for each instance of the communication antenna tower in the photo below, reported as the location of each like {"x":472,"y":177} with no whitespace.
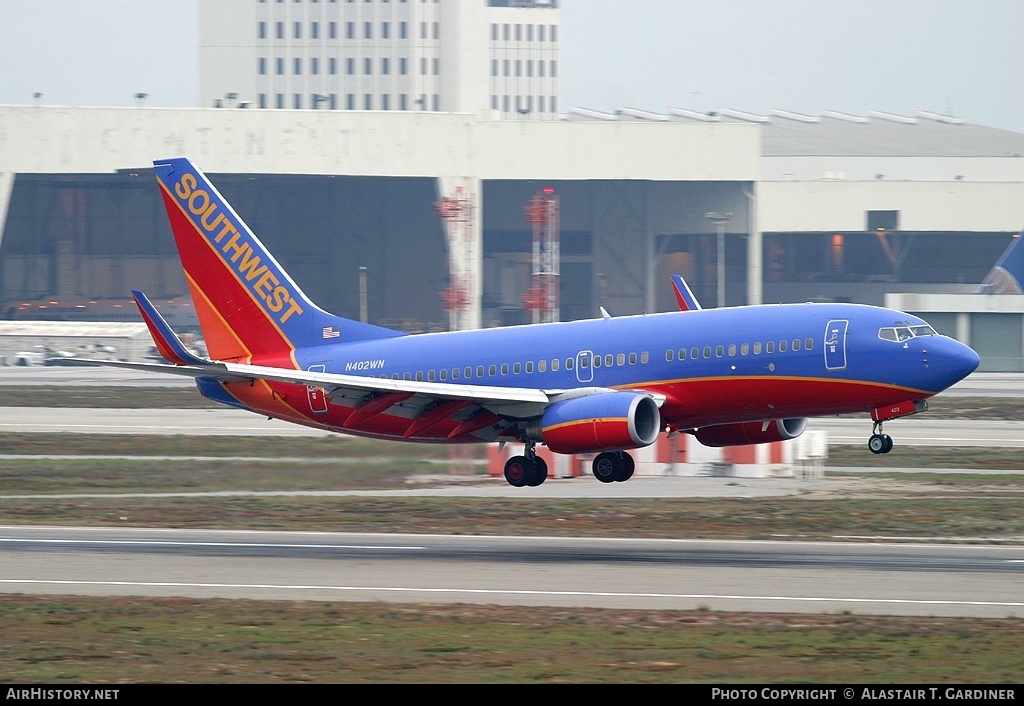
{"x":542,"y":298}
{"x":458,"y":212}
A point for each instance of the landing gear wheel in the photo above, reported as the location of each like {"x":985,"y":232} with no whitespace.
{"x":518,"y":471}
{"x":607,"y":467}
{"x":628,"y":466}
{"x":540,"y":472}
{"x":880,"y":443}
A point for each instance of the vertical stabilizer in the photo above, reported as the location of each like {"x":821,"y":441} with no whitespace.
{"x":247,"y":304}
{"x":1007,"y":277}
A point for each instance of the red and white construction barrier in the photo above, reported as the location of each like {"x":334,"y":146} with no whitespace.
{"x":683,"y":455}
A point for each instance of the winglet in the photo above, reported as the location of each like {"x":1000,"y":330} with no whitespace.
{"x":167,"y":342}
{"x":684,"y":297}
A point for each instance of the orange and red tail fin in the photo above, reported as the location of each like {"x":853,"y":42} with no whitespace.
{"x":247,"y":304}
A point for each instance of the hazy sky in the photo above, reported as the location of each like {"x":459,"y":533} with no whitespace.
{"x":962,"y":57}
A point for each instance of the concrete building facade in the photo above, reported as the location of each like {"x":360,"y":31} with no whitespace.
{"x":459,"y":56}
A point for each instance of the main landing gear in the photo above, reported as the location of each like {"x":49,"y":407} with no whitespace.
{"x":613,"y":466}
{"x":879,"y":443}
{"x":529,"y":469}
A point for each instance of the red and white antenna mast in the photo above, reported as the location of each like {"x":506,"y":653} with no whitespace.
{"x":458,"y":213}
{"x":542,"y":298}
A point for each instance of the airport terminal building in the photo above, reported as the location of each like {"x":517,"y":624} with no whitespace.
{"x":422,"y":214}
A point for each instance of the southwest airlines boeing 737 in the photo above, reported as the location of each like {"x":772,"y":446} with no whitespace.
{"x":729,"y":376}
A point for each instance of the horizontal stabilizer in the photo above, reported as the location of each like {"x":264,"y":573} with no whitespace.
{"x":167,"y":342}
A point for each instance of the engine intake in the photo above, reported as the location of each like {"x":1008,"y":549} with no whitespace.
{"x":751,"y":432}
{"x":606,"y":421}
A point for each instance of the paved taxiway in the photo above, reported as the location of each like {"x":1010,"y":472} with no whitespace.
{"x":978,"y":581}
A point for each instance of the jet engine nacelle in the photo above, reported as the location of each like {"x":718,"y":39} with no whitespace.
{"x":606,"y":421}
{"x":751,"y":432}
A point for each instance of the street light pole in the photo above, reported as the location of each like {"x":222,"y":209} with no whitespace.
{"x":362,"y":295}
{"x":720,"y":219}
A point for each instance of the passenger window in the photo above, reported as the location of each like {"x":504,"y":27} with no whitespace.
{"x":682,"y":354}
{"x":644,"y":357}
{"x":808,"y":344}
{"x":744,"y":349}
{"x":670,"y":355}
{"x":529,"y":366}
{"x":468,"y":372}
{"x":568,"y":363}
{"x":584,"y":362}
{"x":394,"y":376}
{"x":694,"y":353}
{"x":609,"y":360}
{"x":597,"y":361}
{"x":516,"y":368}
{"x":430,"y":376}
{"x":783,"y":347}
{"x":632,"y":358}
{"x":479,"y":371}
{"x":443,"y":374}
{"x":492,"y":370}
{"x":769,"y":347}
{"x":732,"y":349}
{"x":542,"y":365}
{"x":455,"y":373}
{"x":554,"y":365}
{"x":757,"y":348}
{"x":407,"y":376}
{"x":504,"y":368}
{"x":419,"y":376}
{"x":620,"y":359}
{"x":796,"y":344}
{"x":707,"y":352}
{"x":719,"y":351}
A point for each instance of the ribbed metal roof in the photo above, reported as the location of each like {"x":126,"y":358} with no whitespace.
{"x":878,"y":134}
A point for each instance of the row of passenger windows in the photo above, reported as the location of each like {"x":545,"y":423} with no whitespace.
{"x":541,"y":366}
{"x":744,"y":349}
{"x":607,"y":360}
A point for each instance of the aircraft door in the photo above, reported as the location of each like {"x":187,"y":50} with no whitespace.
{"x":317,"y":398}
{"x":835,"y":344}
{"x":585,"y":366}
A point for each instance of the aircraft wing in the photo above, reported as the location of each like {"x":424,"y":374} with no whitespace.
{"x":526,"y":402}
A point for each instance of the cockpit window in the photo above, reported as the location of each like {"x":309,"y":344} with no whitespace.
{"x":905,"y":333}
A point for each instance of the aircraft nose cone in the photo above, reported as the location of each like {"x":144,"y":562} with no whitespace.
{"x":958,"y":361}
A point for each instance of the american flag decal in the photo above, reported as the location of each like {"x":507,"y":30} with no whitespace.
{"x":331,"y":332}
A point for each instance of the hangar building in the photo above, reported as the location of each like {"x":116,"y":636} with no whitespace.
{"x":834,"y":206}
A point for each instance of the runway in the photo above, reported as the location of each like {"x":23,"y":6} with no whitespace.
{"x":904,"y":579}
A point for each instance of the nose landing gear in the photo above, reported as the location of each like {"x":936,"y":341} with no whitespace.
{"x":879,"y":443}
